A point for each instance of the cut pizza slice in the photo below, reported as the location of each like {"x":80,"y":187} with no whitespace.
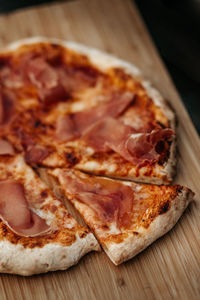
{"x":54,"y":95}
{"x":125,"y":217}
{"x":37,"y":234}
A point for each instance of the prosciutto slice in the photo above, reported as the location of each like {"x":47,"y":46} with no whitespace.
{"x":150,"y":147}
{"x":106,"y":134}
{"x":6,"y":107}
{"x":6,"y":148}
{"x":74,"y":125}
{"x":15,"y":212}
{"x":35,"y":154}
{"x":110,"y":200}
{"x":1,"y":108}
{"x":137,"y":148}
{"x":46,"y":79}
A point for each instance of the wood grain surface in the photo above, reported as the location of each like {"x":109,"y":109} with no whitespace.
{"x":170,"y":268}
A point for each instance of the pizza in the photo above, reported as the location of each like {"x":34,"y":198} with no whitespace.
{"x":37,"y":233}
{"x":125,"y":216}
{"x":91,"y":124}
{"x":85,"y":110}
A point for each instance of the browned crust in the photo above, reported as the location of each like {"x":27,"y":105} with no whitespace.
{"x":159,"y":202}
{"x":64,"y":237}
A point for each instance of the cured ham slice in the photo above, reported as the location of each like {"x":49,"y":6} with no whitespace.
{"x":46,"y":79}
{"x":6,"y":107}
{"x":77,"y":77}
{"x":11,"y":77}
{"x":36,"y":154}
{"x":108,"y":134}
{"x":149,"y":147}
{"x":66,"y":128}
{"x":126,"y":217}
{"x":6,"y":148}
{"x":110,"y":200}
{"x":74,"y":125}
{"x":122,"y":139}
{"x":15,"y":212}
{"x":1,"y":109}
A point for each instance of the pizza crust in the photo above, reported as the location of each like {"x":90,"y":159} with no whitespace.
{"x":133,"y":245}
{"x":16,"y":259}
{"x":105,"y":61}
{"x":54,"y":256}
{"x":24,"y":256}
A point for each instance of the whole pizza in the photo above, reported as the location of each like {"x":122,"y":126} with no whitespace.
{"x":93,"y":127}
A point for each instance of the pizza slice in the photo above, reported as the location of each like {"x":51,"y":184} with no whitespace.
{"x":37,"y":234}
{"x":125,"y":217}
{"x":65,"y":105}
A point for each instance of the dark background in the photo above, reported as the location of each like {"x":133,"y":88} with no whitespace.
{"x":175,"y":28}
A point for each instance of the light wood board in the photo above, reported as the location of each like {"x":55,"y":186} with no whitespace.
{"x":170,"y":268}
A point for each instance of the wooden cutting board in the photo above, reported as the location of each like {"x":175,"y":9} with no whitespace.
{"x":170,"y":268}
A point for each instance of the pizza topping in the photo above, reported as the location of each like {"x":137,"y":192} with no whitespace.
{"x":36,"y":154}
{"x":76,"y":77}
{"x":15,"y":212}
{"x":6,"y":107}
{"x":6,"y":148}
{"x":141,"y":115}
{"x":110,"y":200}
{"x":107,"y":134}
{"x":149,"y":146}
{"x":74,"y":125}
{"x":66,"y":128}
{"x":53,"y":95}
{"x":71,"y":157}
{"x":134,"y":147}
{"x":56,"y":81}
{"x":11,"y":77}
{"x":47,"y":81}
{"x":1,"y":109}
{"x":41,"y":74}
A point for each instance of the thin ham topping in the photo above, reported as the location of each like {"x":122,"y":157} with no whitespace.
{"x":54,"y":80}
{"x":1,"y":109}
{"x":110,"y":134}
{"x":151,"y":147}
{"x":35,"y":154}
{"x":6,"y":107}
{"x":6,"y":148}
{"x":15,"y":211}
{"x":77,"y":77}
{"x":110,"y":200}
{"x":74,"y":125}
{"x":46,"y":79}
